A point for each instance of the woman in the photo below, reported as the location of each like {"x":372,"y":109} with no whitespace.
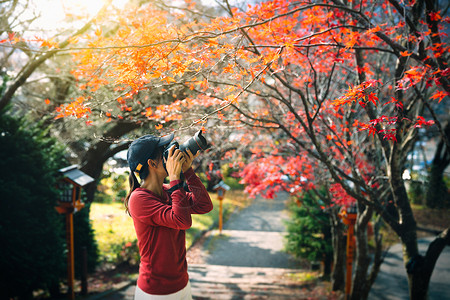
{"x":161,"y":213}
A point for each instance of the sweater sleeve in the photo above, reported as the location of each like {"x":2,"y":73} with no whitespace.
{"x":199,"y":200}
{"x":148,"y":209}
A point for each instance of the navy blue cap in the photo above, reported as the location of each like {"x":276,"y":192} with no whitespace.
{"x":142,"y":149}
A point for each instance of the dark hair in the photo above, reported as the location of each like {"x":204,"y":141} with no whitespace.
{"x":143,"y":173}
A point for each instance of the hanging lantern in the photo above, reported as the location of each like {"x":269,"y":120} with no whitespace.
{"x":69,"y":202}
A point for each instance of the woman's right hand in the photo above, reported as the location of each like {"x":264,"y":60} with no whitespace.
{"x":174,"y":163}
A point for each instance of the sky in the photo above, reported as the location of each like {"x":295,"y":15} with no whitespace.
{"x":53,"y":12}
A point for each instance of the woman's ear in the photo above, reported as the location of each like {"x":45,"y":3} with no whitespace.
{"x":152,"y":163}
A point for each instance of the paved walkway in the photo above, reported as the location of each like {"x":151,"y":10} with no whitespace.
{"x":252,"y":238}
{"x":247,"y":260}
{"x":392,"y":284}
{"x":230,"y":283}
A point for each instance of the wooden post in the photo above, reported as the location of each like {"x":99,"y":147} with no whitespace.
{"x":220,"y":214}
{"x":220,"y":188}
{"x":70,"y":249}
{"x":70,"y":256}
{"x":348,"y":216}
{"x":84,"y":283}
{"x":350,"y":251}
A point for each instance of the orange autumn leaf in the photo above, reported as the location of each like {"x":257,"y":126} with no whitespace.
{"x":148,"y":112}
{"x":49,"y":43}
{"x":405,"y":53}
{"x":353,"y":38}
{"x":98,"y":32}
{"x":439,"y":95}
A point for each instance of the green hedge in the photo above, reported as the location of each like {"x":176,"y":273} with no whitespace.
{"x":309,"y":235}
{"x":32,"y":233}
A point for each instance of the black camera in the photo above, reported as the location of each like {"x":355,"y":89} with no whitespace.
{"x":195,"y":143}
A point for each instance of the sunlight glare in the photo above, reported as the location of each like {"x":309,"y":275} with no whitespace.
{"x":64,"y":14}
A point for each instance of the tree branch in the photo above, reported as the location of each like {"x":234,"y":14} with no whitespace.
{"x":34,"y":63}
{"x":434,"y":251}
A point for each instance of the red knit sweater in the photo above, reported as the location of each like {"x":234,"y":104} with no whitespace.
{"x":160,"y":225}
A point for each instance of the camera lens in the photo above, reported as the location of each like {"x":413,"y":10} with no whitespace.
{"x":195,"y":143}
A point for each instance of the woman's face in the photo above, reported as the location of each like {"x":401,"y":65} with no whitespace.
{"x":161,"y":165}
{"x":158,"y":165}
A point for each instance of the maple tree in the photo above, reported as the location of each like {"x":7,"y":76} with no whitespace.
{"x":290,"y":169}
{"x":340,"y":87}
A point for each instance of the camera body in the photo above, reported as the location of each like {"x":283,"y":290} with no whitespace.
{"x":195,"y":143}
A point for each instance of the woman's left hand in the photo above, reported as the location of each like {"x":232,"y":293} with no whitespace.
{"x":189,"y":157}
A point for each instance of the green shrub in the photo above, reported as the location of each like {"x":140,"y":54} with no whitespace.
{"x":416,"y":192}
{"x":126,"y":253}
{"x":31,"y":231}
{"x":309,"y":229}
{"x":84,"y":237}
{"x":233,"y":183}
{"x":102,"y":197}
{"x":230,"y":179}
{"x":119,"y":186}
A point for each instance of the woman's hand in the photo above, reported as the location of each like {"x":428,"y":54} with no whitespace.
{"x":175,"y":161}
{"x":189,"y":157}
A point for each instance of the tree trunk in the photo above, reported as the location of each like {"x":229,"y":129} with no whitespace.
{"x":360,"y":290}
{"x":327,"y":266}
{"x":99,"y":152}
{"x":437,"y":195}
{"x":328,"y":259}
{"x":420,"y":268}
{"x":339,"y":250}
{"x":378,"y":255}
{"x":408,"y":236}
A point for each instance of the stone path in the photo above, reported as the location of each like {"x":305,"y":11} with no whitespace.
{"x":229,"y":283}
{"x":247,"y":260}
{"x":391,"y":282}
{"x":252,"y":238}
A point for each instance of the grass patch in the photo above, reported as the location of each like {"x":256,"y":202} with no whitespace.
{"x":304,"y":276}
{"x":113,"y":228}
